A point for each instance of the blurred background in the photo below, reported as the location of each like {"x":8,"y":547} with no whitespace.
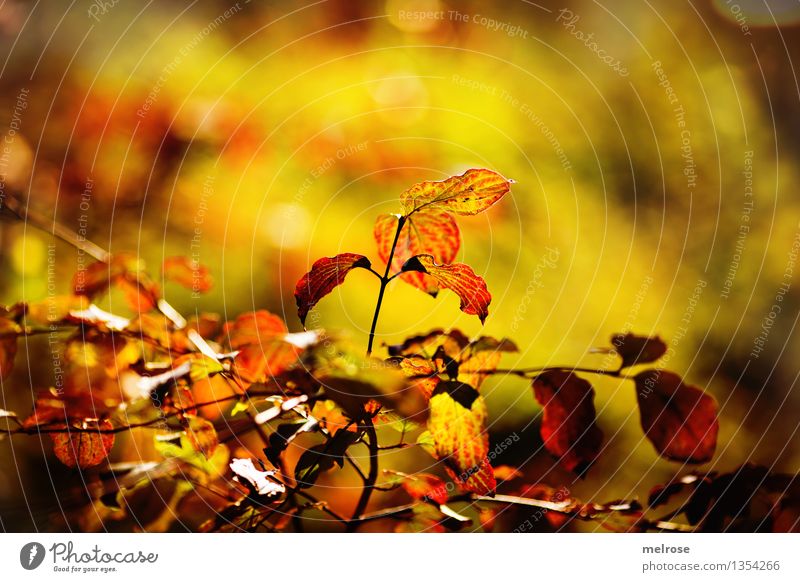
{"x":654,"y":148}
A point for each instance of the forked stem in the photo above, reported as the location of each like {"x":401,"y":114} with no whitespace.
{"x":384,"y":281}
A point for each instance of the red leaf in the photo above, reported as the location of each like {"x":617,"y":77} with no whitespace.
{"x":457,"y":425}
{"x":470,"y":193}
{"x":188,"y":273}
{"x":432,"y":232}
{"x":425,"y":486}
{"x":568,"y":428}
{"x":325,"y":275}
{"x":460,"y":279}
{"x":258,"y":336}
{"x":680,"y":420}
{"x":83,"y":449}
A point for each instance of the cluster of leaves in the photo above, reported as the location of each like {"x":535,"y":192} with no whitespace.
{"x":201,"y":384}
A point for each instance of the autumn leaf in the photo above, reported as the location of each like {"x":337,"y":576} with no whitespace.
{"x":481,"y":357}
{"x":124,"y":270}
{"x":423,"y":374}
{"x":470,"y":193}
{"x":680,"y":420}
{"x":634,"y":349}
{"x":83,"y":448}
{"x":457,"y":425}
{"x":569,"y":430}
{"x":259,"y":337}
{"x":188,"y":273}
{"x":460,"y":279}
{"x":202,"y":435}
{"x":325,"y":275}
{"x":424,"y":487}
{"x":55,"y":309}
{"x":431,"y":232}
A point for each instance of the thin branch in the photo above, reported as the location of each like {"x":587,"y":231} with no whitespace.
{"x":372,"y":477}
{"x":384,"y":281}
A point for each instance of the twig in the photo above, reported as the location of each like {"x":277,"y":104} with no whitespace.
{"x":384,"y":281}
{"x":372,"y":477}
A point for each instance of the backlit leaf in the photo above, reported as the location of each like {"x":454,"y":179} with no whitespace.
{"x":432,"y":232}
{"x":325,"y":275}
{"x":634,"y":349}
{"x":424,"y":486}
{"x":83,"y":448}
{"x":457,"y":425}
{"x":569,"y":430}
{"x":460,"y":279}
{"x":470,"y":193}
{"x":188,"y":273}
{"x":680,"y":420}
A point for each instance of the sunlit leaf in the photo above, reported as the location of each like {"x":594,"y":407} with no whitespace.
{"x":470,"y":193}
{"x":569,"y":428}
{"x":680,"y":420}
{"x":459,"y":278}
{"x":261,"y":482}
{"x":55,"y":309}
{"x":325,"y":275}
{"x":85,"y":447}
{"x":457,"y":424}
{"x":188,"y":273}
{"x":431,"y":232}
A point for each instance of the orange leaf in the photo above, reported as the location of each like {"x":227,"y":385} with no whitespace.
{"x":680,"y":420}
{"x":568,"y":427}
{"x":425,"y":486}
{"x":431,"y":232}
{"x":470,"y":193}
{"x":81,"y":448}
{"x":456,"y":423}
{"x":258,"y":337}
{"x":188,"y":273}
{"x":424,"y":372}
{"x":460,"y":279}
{"x":325,"y":275}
